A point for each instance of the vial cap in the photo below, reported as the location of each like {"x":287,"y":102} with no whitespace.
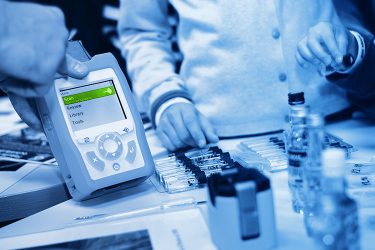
{"x":333,"y":161}
{"x":296,"y":98}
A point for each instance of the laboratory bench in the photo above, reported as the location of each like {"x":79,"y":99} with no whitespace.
{"x":52,"y":222}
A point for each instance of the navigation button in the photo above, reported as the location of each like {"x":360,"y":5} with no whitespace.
{"x":101,"y":149}
{"x":110,"y":146}
{"x":85,"y":140}
{"x":132,"y":147}
{"x":116,"y":166}
{"x":95,"y":161}
{"x":127,"y":129}
{"x":106,"y":137}
{"x":112,"y":156}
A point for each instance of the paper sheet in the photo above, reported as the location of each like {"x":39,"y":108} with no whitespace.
{"x":184,"y":229}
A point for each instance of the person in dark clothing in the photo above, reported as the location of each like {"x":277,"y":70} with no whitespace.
{"x":353,"y":36}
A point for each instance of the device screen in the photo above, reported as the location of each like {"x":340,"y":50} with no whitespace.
{"x":92,"y":105}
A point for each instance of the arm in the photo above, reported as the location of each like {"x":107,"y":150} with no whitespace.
{"x":356,"y":81}
{"x":32,"y":49}
{"x":360,"y":83}
{"x":145,"y":36}
{"x":327,"y":42}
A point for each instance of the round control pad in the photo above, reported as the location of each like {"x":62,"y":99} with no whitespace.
{"x":110,"y":146}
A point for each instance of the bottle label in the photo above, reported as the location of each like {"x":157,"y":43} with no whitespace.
{"x":296,"y":158}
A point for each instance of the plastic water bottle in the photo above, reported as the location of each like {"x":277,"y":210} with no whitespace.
{"x":335,"y":225}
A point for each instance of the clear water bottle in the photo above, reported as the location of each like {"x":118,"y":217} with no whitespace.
{"x":313,"y":165}
{"x":296,"y":146}
{"x":335,"y":225}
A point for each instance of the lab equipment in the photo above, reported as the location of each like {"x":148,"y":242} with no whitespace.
{"x":240,"y":210}
{"x":95,"y":131}
{"x":183,"y":171}
{"x":313,"y":168}
{"x":268,"y":152}
{"x":335,"y":225}
{"x":296,"y":148}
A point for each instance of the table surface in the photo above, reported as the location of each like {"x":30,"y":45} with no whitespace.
{"x":290,"y":228}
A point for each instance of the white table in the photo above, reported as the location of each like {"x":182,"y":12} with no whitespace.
{"x":290,"y":228}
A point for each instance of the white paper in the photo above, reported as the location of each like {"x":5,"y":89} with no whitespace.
{"x":184,"y":229}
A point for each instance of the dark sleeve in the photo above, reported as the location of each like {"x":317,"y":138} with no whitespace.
{"x":359,"y":84}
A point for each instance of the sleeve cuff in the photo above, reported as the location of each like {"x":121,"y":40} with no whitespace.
{"x":3,"y":77}
{"x":163,"y":99}
{"x":166,"y":105}
{"x":360,"y":54}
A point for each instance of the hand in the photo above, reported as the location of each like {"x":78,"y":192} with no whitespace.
{"x":326,"y":44}
{"x":19,"y":91}
{"x":182,"y":125}
{"x":32,"y":47}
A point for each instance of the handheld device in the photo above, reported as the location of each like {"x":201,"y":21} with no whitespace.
{"x":95,"y":131}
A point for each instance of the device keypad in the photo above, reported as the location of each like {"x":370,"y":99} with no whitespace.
{"x":116,"y":166}
{"x":110,"y":146}
{"x":132,"y":150}
{"x":95,"y":161}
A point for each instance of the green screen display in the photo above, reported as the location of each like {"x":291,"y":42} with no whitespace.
{"x":89,"y":95}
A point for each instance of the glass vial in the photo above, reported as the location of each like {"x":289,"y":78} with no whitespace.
{"x":335,"y":225}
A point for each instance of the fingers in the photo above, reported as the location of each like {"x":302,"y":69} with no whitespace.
{"x":179,"y":125}
{"x":343,"y":42}
{"x":165,"y":140}
{"x":192,"y":123}
{"x":168,"y":129}
{"x":24,"y":88}
{"x":182,"y":125}
{"x":73,"y":68}
{"x":208,"y":130}
{"x":26,"y":109}
{"x":330,"y":42}
{"x":315,"y":45}
{"x":325,"y":44}
{"x":304,"y":56}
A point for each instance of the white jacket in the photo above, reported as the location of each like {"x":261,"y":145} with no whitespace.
{"x":238,"y":59}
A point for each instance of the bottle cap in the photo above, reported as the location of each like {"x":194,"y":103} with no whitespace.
{"x":333,"y":162}
{"x":296,"y":98}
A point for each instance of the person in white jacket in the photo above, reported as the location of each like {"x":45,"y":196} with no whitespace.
{"x":238,"y":65}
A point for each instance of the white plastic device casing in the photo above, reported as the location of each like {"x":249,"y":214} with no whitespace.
{"x":128,"y":167}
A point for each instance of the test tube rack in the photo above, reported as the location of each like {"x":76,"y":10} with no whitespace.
{"x":183,"y":171}
{"x":269,"y":151}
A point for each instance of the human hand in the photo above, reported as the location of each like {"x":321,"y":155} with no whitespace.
{"x":182,"y":125}
{"x":32,"y":48}
{"x":325,"y":45}
{"x":21,"y":92}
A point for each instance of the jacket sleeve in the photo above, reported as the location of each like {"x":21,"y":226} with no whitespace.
{"x":145,"y":36}
{"x":360,"y":83}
